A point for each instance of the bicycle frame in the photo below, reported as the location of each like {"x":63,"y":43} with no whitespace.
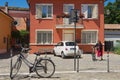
{"x":28,"y":63}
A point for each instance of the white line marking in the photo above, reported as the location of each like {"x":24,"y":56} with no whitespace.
{"x":65,"y":72}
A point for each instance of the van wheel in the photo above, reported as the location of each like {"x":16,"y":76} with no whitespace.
{"x":62,"y":55}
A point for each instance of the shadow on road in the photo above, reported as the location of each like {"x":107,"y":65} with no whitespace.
{"x":7,"y":55}
{"x":4,"y":55}
{"x":26,"y":77}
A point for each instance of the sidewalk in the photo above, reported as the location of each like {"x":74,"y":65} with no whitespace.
{"x":94,"y":70}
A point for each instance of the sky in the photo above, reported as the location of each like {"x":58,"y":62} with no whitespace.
{"x":23,"y":3}
{"x":15,"y":3}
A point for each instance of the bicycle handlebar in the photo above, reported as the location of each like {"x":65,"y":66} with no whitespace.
{"x":24,"y":49}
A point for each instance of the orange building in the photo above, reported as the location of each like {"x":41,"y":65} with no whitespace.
{"x":49,"y":23}
{"x":5,"y":31}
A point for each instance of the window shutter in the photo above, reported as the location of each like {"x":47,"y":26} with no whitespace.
{"x":85,"y":10}
{"x":65,"y":9}
{"x":50,"y":11}
{"x":38,"y":11}
{"x":95,"y":11}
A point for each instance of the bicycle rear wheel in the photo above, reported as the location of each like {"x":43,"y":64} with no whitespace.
{"x":45,"y":68}
{"x":15,"y":68}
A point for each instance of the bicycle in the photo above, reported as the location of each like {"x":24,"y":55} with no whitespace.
{"x":44,"y":67}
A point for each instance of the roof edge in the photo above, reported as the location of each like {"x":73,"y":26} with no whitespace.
{"x":6,"y":14}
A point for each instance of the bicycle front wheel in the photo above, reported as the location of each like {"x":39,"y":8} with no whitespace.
{"x":45,"y":68}
{"x":15,"y":68}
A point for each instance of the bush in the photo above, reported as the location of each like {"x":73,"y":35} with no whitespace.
{"x":117,"y":50}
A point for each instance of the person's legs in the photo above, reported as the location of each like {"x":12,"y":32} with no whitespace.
{"x":98,"y":54}
{"x":101,"y":55}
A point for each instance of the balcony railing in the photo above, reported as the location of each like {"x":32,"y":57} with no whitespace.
{"x":65,"y":23}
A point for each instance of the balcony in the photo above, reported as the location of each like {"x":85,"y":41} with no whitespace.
{"x":64,"y":23}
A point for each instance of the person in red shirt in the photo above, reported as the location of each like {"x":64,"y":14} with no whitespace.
{"x":99,"y":48}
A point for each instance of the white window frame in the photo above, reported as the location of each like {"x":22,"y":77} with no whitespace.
{"x":44,"y":30}
{"x":39,"y":11}
{"x":84,"y":10}
{"x":88,"y":31}
{"x":66,"y":20}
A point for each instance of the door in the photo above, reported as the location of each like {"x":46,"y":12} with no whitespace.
{"x":68,"y":35}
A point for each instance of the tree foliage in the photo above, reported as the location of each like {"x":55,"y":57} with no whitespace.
{"x":114,"y":16}
{"x":23,"y":33}
{"x":15,"y":34}
{"x":22,"y":36}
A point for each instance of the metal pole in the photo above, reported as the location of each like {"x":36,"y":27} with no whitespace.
{"x":75,"y":46}
{"x":77,"y":63}
{"x":108,"y":68}
{"x":11,"y":55}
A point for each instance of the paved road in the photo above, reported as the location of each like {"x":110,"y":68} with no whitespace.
{"x":88,"y":69}
{"x":72,"y":76}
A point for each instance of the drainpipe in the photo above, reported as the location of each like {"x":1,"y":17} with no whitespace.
{"x":6,"y":7}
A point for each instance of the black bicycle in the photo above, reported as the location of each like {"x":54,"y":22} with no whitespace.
{"x":44,"y":67}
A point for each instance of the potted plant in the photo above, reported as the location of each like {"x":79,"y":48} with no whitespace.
{"x":81,"y":16}
{"x":65,"y":15}
{"x":58,"y":16}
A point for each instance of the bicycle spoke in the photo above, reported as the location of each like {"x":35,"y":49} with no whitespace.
{"x":47,"y":69}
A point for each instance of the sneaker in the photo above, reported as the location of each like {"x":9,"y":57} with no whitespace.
{"x":101,"y":58}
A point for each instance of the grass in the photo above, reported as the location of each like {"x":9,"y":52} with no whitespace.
{"x":117,"y":50}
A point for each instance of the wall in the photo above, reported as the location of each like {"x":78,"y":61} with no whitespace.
{"x":5,"y":32}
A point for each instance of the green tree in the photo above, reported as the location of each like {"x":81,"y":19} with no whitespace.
{"x":114,"y":16}
{"x":15,"y":34}
{"x":21,"y":36}
{"x":24,"y":37}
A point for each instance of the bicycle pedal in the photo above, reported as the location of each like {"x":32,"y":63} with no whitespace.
{"x":31,"y":69}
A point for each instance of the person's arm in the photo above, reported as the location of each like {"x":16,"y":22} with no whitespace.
{"x":96,"y":45}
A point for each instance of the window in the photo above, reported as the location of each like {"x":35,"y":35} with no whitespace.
{"x":90,"y":10}
{"x":89,"y":37}
{"x":67,"y":9}
{"x":44,"y":11}
{"x":70,"y":44}
{"x":60,"y":44}
{"x":44,"y":37}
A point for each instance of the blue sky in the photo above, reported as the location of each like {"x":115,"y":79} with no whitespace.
{"x":23,"y":3}
{"x":15,"y":3}
{"x":109,"y":1}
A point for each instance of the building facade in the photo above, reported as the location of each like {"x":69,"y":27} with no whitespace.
{"x":112,"y":35}
{"x":49,"y":23}
{"x":5,"y":31}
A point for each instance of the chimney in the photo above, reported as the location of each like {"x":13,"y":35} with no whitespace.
{"x":6,"y":7}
